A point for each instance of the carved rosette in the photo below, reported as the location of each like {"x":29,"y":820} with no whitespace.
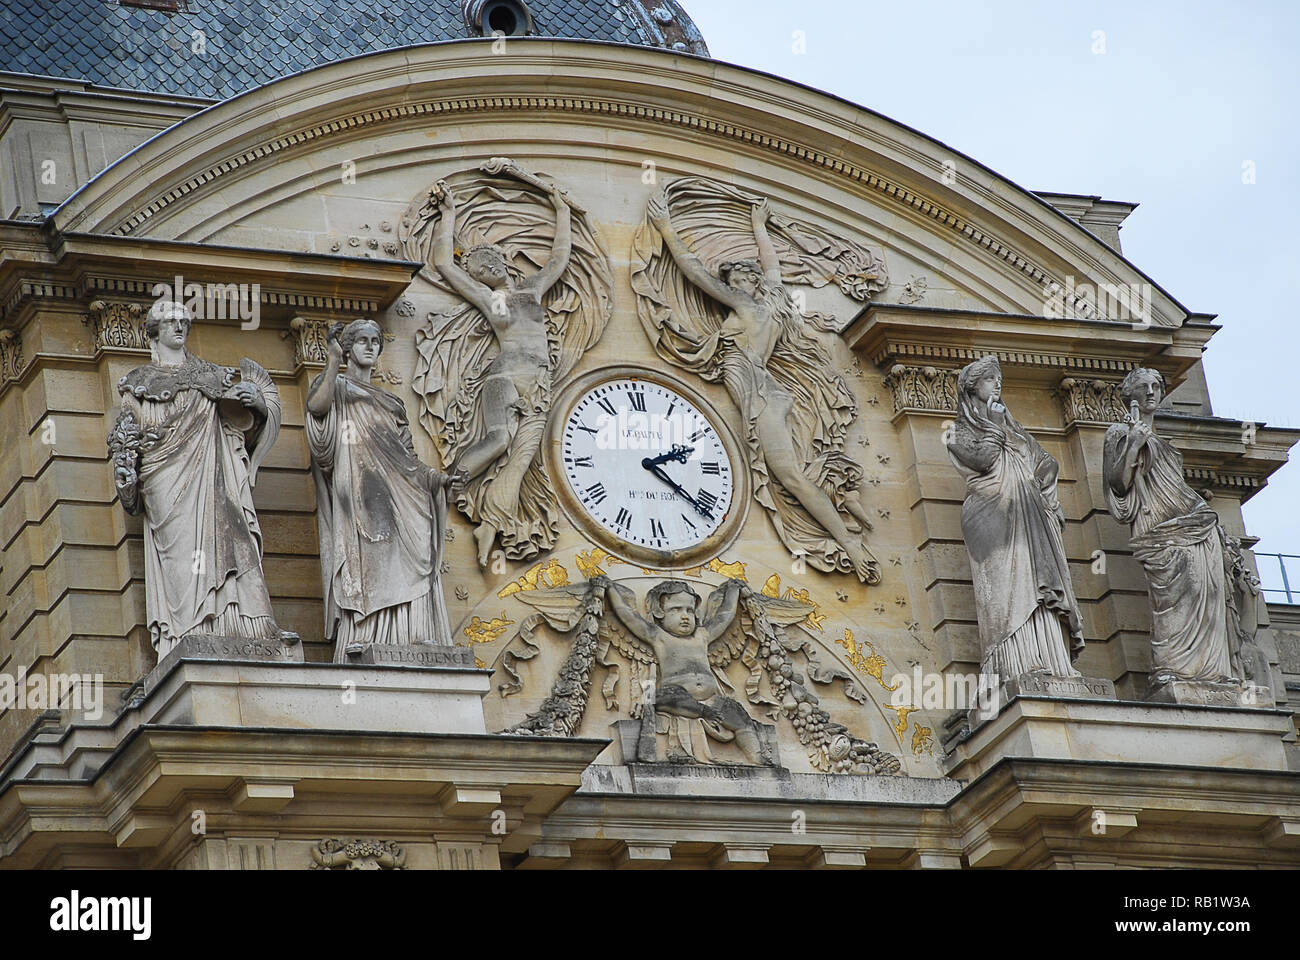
{"x":923,"y":388}
{"x":118,"y":325}
{"x":12,"y":364}
{"x":1091,"y":401}
{"x":358,"y":855}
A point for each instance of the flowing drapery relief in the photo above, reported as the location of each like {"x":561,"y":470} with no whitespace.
{"x":1012,"y":522}
{"x":186,"y":448}
{"x":381,"y":513}
{"x":1177,"y":538}
{"x":710,"y":267}
{"x":535,"y":283}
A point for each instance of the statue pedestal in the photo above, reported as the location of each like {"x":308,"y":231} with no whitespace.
{"x":412,"y":655}
{"x":1034,"y":727}
{"x":271,"y":687}
{"x":1047,"y":685}
{"x":626,"y":735}
{"x":1199,"y":693}
{"x":1037,"y":684}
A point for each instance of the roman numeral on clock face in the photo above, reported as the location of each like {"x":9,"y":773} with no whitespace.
{"x":597,"y":492}
{"x":711,"y":467}
{"x":638,"y":400}
{"x":580,"y":461}
{"x":656,"y":529}
{"x":624,"y":518}
{"x":707,"y":500}
{"x":608,"y":407}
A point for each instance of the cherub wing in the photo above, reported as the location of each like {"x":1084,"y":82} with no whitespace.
{"x":629,"y":646}
{"x":729,"y":646}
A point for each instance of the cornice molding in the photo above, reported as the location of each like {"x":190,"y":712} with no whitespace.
{"x":883,"y":187}
{"x":846,"y":146}
{"x":1039,"y":348}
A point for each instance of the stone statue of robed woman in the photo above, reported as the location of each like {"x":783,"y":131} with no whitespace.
{"x":1012,"y":522}
{"x":381,"y":513}
{"x":185,"y":450}
{"x":1177,"y":538}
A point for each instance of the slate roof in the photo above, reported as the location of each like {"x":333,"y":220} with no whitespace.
{"x":251,"y":42}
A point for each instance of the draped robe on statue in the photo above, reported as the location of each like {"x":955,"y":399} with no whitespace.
{"x":202,"y":542}
{"x":381,"y":529}
{"x":1176,"y":537}
{"x":1028,"y":616}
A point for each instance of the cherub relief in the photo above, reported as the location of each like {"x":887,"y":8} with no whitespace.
{"x":686,"y":645}
{"x":681,"y":631}
{"x":535,"y":284}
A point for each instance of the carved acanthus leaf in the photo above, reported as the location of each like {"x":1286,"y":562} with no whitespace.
{"x":12,"y":364}
{"x":310,"y":341}
{"x":1091,"y":401}
{"x":118,"y":325}
{"x":923,"y":388}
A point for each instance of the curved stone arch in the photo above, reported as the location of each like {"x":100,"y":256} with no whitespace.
{"x":1000,"y":237}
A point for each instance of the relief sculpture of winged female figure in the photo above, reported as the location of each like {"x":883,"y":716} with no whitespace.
{"x":710,"y":306}
{"x":533,"y":282}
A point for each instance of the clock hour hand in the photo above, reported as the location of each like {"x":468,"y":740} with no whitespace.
{"x":658,"y":471}
{"x":679,"y":452}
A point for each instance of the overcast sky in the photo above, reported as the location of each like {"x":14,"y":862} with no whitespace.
{"x":1184,"y":94}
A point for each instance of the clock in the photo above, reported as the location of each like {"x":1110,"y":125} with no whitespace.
{"x":649,"y":469}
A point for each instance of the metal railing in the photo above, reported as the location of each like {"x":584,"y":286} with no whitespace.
{"x":1280,"y":583}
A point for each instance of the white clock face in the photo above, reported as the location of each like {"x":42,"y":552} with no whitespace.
{"x":647,"y":465}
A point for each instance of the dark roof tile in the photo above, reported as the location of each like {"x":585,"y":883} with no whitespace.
{"x":250,"y":42}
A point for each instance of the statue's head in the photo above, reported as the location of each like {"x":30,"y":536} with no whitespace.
{"x":168,"y":322}
{"x":745,"y":276}
{"x":487,"y":263}
{"x":1146,"y":386}
{"x":362,"y":341}
{"x":981,"y":379}
{"x":673,"y":605}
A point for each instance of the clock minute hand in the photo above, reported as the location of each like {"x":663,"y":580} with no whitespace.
{"x":676,"y":487}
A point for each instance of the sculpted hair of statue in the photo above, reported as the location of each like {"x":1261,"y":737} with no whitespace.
{"x":164,"y":308}
{"x":660,"y":591}
{"x":968,"y":413}
{"x":348,"y":334}
{"x":1133,"y":383}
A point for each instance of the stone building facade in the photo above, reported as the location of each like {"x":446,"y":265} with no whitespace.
{"x":303,"y":189}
